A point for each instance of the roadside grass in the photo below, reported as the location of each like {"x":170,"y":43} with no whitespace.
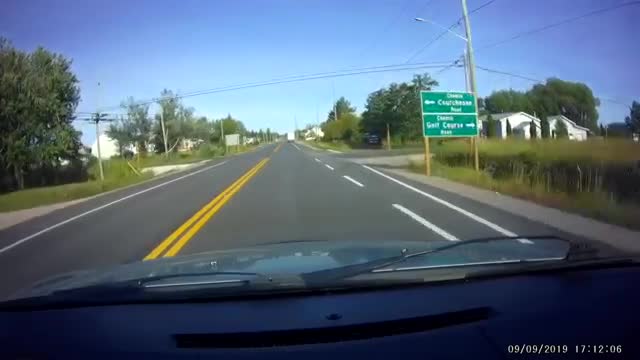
{"x":117,"y":174}
{"x":29,"y":198}
{"x":595,"y":150}
{"x":596,"y":204}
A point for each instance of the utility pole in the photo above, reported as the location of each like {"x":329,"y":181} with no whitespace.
{"x":472,"y":77}
{"x":97,"y":121}
{"x":388,"y":138}
{"x":335,"y":103}
{"x":466,"y":70}
{"x":222,"y":135}
{"x":164,"y":132}
{"x":466,"y":88}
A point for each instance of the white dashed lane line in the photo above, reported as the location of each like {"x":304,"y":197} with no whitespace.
{"x":426,"y":223}
{"x":462,"y":211}
{"x":328,"y":166}
{"x":316,"y":159}
{"x":352,"y":180}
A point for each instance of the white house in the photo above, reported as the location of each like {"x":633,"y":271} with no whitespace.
{"x":575,"y":131}
{"x":313,"y":133}
{"x":108,"y":147}
{"x":520,"y":123}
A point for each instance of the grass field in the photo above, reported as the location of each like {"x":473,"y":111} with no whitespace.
{"x":29,"y":198}
{"x":596,"y":204}
{"x":610,"y":150}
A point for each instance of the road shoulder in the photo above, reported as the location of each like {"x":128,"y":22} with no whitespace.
{"x":616,"y":236}
{"x":11,"y":218}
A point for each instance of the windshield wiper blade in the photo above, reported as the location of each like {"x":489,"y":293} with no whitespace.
{"x":143,"y":281}
{"x":353,"y":270}
{"x":138,"y":284}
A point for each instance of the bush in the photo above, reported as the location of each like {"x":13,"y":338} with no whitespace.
{"x":610,"y":167}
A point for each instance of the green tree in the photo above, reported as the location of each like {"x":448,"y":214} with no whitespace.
{"x":491,"y":127}
{"x":179,"y":123}
{"x":137,"y":124}
{"x":230,"y":126}
{"x":508,"y":101}
{"x":399,"y":106}
{"x":120,"y":131}
{"x":202,"y":129}
{"x":573,"y":100}
{"x":342,"y":106}
{"x":509,"y":129}
{"x":633,"y":120}
{"x":533,"y":131}
{"x":38,"y":97}
{"x":544,"y":128}
{"x":169,"y":104}
{"x":561,"y":130}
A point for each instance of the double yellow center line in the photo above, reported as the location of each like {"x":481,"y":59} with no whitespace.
{"x":179,"y":238}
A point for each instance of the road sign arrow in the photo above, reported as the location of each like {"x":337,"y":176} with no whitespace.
{"x":471,"y":125}
{"x":429,"y":102}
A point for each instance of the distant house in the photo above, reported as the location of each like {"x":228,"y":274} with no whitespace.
{"x":575,"y":131}
{"x":189,"y":144}
{"x":313,"y":133}
{"x":520,"y":124}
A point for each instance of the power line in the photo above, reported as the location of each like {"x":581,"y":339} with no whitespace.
{"x":506,"y":73}
{"x":559,"y":23}
{"x":453,"y":64}
{"x":509,"y":74}
{"x":444,"y":32}
{"x":298,"y":78}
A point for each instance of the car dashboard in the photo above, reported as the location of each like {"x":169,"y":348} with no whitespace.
{"x":573,"y":314}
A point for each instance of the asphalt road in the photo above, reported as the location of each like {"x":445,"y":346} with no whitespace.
{"x":279,"y":192}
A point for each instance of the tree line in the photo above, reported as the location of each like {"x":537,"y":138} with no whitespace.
{"x":137,"y":129}
{"x":397,"y":106}
{"x":39,"y":145}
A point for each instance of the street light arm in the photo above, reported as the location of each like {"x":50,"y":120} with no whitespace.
{"x":418,"y":19}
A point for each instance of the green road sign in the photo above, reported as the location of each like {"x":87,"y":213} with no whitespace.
{"x":449,"y":114}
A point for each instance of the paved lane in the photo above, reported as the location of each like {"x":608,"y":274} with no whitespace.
{"x":280,"y":192}
{"x":296,"y":197}
{"x":123,"y":232}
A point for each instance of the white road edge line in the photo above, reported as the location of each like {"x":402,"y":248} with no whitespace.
{"x":473,"y":216}
{"x":426,"y":223}
{"x":295,"y":146}
{"x":353,"y":181}
{"x":334,"y":151}
{"x":328,"y":166}
{"x":316,"y":159}
{"x":8,"y":247}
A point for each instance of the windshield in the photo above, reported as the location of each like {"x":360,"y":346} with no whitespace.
{"x":278,"y":145}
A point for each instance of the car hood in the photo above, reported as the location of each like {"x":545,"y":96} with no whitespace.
{"x":284,"y":258}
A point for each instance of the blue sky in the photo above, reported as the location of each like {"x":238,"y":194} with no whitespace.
{"x":137,"y":48}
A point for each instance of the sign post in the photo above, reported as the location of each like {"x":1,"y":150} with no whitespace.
{"x":447,"y":114}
